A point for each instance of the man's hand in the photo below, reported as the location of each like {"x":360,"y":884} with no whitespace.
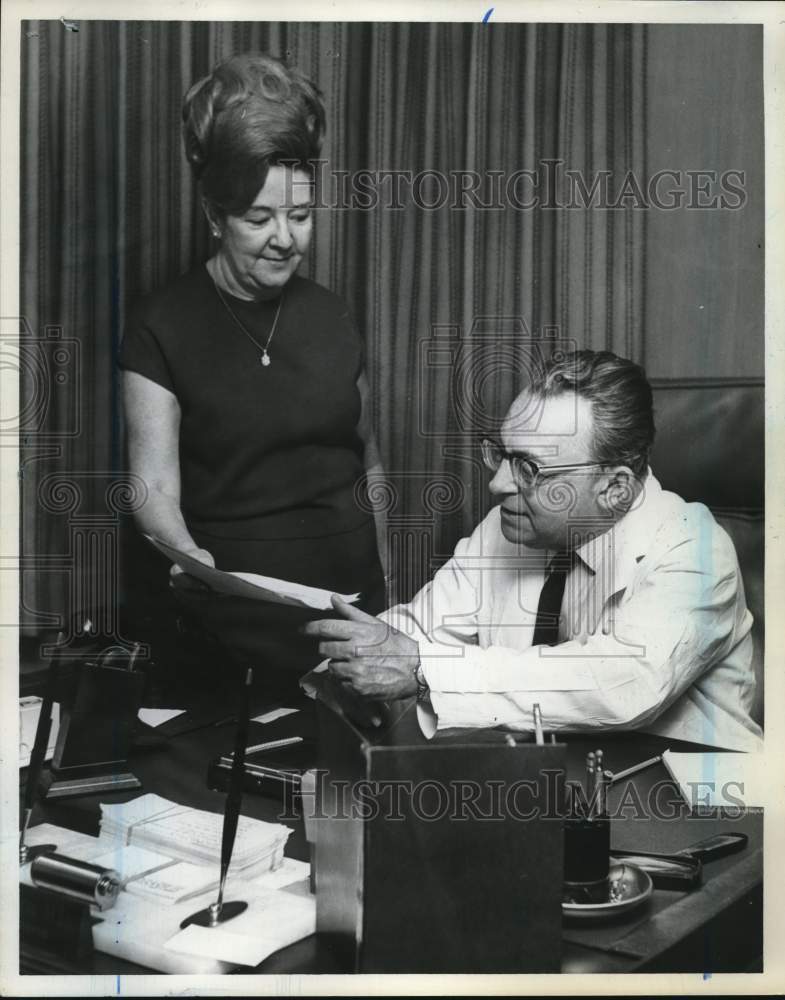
{"x":372,"y":658}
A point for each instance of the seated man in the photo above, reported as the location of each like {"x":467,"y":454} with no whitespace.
{"x":588,"y":589}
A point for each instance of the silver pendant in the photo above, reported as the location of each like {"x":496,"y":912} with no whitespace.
{"x":265,"y":359}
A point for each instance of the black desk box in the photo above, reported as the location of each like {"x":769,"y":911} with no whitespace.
{"x":440,"y":856}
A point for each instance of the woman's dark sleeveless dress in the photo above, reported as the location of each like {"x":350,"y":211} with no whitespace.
{"x":270,"y":460}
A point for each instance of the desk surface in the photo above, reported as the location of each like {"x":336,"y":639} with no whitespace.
{"x":717,"y":927}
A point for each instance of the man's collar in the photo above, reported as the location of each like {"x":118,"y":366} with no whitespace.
{"x":622,"y":545}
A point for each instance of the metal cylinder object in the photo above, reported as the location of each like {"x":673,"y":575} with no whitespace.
{"x":77,"y":879}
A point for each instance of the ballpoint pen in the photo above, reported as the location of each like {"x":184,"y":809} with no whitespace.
{"x":538,"y":724}
{"x":234,"y":797}
{"x":588,"y":798}
{"x":224,"y":722}
{"x":286,"y":741}
{"x":606,"y":784}
{"x":635,"y":768}
{"x":598,"y":789}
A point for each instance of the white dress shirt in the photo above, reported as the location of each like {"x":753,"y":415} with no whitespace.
{"x":654,"y":634}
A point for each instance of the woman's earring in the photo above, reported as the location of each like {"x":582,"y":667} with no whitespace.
{"x":216,"y":233}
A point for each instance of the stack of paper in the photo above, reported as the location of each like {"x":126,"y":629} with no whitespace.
{"x":193,"y":835}
{"x":718,"y":779}
{"x":174,"y":884}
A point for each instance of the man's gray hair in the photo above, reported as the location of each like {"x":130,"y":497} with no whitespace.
{"x":620,"y":397}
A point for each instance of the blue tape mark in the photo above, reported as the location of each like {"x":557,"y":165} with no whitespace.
{"x":487,"y":15}
{"x":118,"y":985}
{"x":706,"y":975}
{"x":703,"y":596}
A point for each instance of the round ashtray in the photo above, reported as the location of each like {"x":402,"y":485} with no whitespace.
{"x":625,"y":888}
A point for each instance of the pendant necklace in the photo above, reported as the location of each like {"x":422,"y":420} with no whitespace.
{"x":264,"y":358}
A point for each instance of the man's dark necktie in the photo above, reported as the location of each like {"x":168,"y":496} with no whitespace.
{"x":546,"y":627}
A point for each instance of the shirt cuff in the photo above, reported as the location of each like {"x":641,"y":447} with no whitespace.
{"x":427,"y":718}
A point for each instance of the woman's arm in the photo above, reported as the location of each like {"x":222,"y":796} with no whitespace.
{"x":153,"y":423}
{"x":375,"y":473}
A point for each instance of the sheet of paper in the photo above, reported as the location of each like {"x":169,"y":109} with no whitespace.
{"x":717,"y":779}
{"x":275,"y":713}
{"x":175,"y":883}
{"x":221,"y":945}
{"x":158,"y":716}
{"x":290,"y":871}
{"x":312,"y":682}
{"x":298,"y":593}
{"x":278,"y":915}
{"x":68,"y":842}
{"x":130,"y":862}
{"x":251,"y":585}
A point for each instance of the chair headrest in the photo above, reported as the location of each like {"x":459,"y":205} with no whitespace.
{"x":709,"y":444}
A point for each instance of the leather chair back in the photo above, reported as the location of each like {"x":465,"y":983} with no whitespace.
{"x":710,"y":448}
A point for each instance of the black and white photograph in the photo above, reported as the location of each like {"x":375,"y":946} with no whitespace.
{"x":391,"y":498}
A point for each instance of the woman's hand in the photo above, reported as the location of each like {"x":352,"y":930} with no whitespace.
{"x":180,"y":580}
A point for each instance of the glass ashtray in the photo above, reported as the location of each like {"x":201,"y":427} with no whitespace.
{"x":625,"y":888}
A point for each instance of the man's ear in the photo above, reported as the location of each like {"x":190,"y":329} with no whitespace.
{"x":618,"y":490}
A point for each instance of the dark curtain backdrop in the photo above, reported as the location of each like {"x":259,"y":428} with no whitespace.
{"x":447,"y":298}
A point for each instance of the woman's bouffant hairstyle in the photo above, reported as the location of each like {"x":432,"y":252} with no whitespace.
{"x":252,"y":112}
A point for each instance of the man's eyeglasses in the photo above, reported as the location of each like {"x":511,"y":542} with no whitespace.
{"x":525,"y":471}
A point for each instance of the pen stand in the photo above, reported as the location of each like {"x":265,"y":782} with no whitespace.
{"x":587,"y":844}
{"x":98,"y":709}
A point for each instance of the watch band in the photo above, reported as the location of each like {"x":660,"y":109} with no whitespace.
{"x":422,"y":685}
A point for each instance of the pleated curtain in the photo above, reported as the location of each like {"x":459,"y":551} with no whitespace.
{"x":447,"y":293}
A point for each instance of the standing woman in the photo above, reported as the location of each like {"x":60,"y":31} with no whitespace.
{"x":246,"y":402}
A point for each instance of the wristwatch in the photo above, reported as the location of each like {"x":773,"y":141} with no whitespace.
{"x":422,"y":685}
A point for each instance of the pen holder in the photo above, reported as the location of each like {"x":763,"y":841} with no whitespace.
{"x":98,"y":709}
{"x":587,"y":845}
